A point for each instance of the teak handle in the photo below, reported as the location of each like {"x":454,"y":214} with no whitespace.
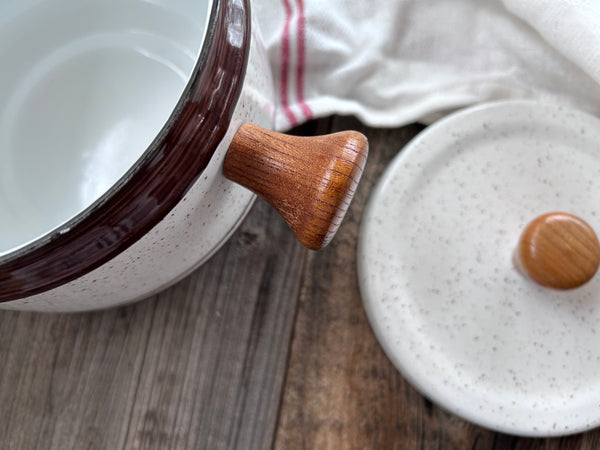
{"x":310,"y":181}
{"x":558,"y":250}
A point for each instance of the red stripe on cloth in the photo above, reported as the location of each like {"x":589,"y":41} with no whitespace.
{"x":308,"y":114}
{"x":285,"y":64}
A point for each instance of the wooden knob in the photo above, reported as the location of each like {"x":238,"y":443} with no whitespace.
{"x":558,"y":250}
{"x":310,"y":181}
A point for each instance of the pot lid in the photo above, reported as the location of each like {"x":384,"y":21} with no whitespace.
{"x":437,"y":276}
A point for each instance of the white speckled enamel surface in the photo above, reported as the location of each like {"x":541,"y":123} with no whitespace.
{"x":435,"y":270}
{"x":85,"y":89}
{"x":191,"y":233}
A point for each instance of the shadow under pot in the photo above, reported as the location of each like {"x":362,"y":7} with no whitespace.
{"x":133,"y":141}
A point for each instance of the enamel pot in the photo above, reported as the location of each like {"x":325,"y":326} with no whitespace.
{"x":133,"y":138}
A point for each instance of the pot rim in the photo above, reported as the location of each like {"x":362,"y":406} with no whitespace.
{"x":160,"y":177}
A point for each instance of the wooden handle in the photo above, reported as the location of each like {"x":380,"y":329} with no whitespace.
{"x":310,"y":181}
{"x":558,"y":250}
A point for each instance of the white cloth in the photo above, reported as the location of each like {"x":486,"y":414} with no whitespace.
{"x":392,"y":62}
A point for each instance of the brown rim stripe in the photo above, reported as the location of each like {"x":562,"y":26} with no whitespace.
{"x":158,"y":181}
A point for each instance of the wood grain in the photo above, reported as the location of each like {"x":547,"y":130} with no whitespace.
{"x":558,"y":250}
{"x":341,"y":391}
{"x":309,"y":180}
{"x":199,"y":366}
{"x":202,"y":365}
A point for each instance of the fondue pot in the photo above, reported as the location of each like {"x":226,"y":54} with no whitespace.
{"x":131,"y":147}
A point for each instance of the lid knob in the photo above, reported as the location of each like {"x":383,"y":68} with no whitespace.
{"x":558,"y":250}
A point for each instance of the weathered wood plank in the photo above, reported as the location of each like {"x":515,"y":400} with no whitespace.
{"x":198,"y":366}
{"x":201,"y":365}
{"x":221,"y":357}
{"x":341,"y":391}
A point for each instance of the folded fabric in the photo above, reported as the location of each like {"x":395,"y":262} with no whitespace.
{"x":393,"y":62}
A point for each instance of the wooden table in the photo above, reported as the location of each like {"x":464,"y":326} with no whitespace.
{"x":265,"y":346}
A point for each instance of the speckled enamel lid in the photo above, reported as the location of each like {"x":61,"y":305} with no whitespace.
{"x":438,"y":281}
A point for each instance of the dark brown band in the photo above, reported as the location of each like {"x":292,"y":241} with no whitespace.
{"x":161,"y":177}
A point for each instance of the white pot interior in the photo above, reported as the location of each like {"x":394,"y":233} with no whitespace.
{"x":85,"y":87}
